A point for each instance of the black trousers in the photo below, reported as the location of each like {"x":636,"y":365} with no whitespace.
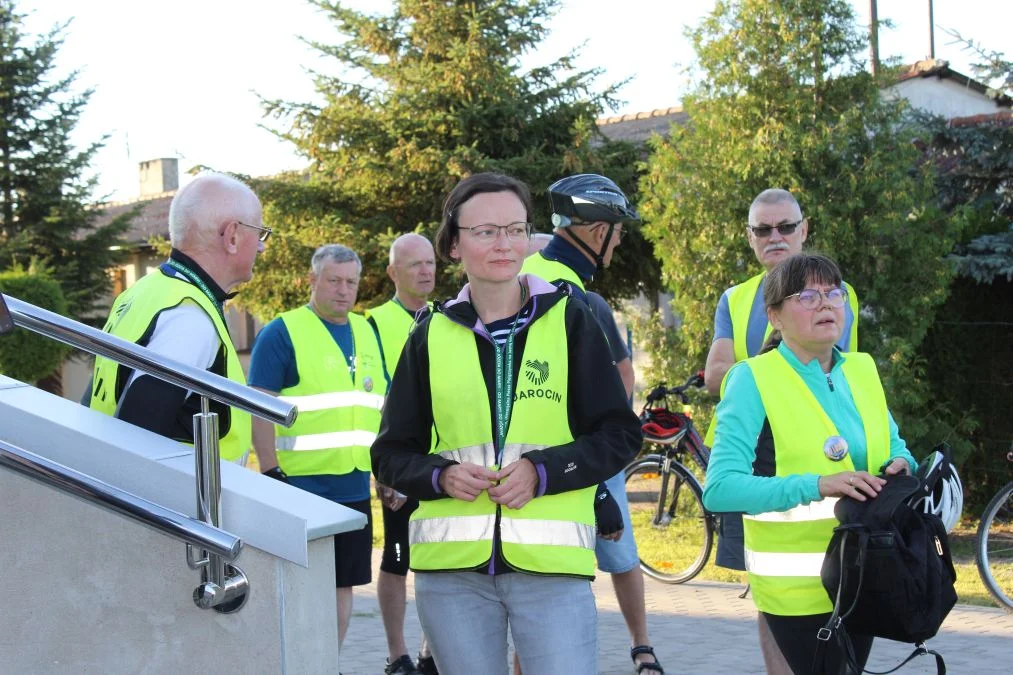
{"x":796,"y":638}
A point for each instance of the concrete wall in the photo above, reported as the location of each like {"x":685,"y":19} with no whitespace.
{"x":87,"y":591}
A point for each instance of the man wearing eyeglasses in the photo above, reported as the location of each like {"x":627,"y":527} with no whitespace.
{"x":177,"y":310}
{"x":776,"y":230}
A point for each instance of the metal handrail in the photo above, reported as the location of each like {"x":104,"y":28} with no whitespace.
{"x":202,"y":382}
{"x":159,"y":518}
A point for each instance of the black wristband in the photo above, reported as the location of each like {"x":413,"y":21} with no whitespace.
{"x":277,"y":474}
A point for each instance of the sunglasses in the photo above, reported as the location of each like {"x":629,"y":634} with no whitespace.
{"x":763,"y":231}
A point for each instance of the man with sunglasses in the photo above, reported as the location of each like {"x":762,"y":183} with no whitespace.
{"x":776,"y":230}
{"x":177,"y":310}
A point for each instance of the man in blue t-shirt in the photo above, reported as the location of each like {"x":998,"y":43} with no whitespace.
{"x":333,"y":353}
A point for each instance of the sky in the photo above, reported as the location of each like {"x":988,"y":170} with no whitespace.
{"x":182,"y":79}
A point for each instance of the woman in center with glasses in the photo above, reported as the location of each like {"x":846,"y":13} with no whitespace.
{"x":800,"y":426}
{"x":503,"y":416}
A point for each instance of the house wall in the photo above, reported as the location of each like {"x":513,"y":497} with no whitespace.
{"x":942,"y":97}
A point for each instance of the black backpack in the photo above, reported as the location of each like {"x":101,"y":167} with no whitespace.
{"x":889,"y":572}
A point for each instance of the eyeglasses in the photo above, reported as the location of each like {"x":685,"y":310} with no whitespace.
{"x":763,"y":231}
{"x":265,"y":232}
{"x":811,"y":298}
{"x":488,"y":233}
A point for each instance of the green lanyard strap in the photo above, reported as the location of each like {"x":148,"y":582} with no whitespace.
{"x":505,"y":380}
{"x":199,"y":283}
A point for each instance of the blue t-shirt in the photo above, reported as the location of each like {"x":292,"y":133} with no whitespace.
{"x":273,"y":367}
{"x":757,"y":326}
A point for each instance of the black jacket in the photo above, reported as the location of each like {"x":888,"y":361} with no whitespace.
{"x":606,"y":432}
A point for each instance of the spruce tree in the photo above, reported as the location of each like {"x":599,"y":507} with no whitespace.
{"x":45,"y":189}
{"x":427,"y":95}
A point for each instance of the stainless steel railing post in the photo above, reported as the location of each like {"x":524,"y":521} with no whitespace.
{"x":223,"y":587}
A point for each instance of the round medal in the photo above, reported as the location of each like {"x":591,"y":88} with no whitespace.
{"x":367,"y":383}
{"x":835,"y":448}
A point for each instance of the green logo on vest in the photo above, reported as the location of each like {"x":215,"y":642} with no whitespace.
{"x":537,"y":372}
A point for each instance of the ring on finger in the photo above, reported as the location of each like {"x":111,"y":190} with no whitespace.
{"x":851,"y":480}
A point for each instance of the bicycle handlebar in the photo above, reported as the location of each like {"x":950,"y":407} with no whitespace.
{"x":661,"y":391}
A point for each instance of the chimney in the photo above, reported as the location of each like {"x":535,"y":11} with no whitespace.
{"x":159,"y":175}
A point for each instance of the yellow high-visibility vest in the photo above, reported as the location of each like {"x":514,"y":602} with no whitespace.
{"x":339,"y":411}
{"x":784,"y":550}
{"x":552,"y":534}
{"x":133,"y":317}
{"x":551,"y":270}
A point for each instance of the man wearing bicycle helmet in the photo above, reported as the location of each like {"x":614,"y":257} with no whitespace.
{"x":776,"y":230}
{"x":589,"y":213}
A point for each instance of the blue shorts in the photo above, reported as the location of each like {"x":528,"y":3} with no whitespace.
{"x":616,"y":557}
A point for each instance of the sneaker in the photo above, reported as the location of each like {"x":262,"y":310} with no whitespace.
{"x":402,"y":666}
{"x":427,"y":665}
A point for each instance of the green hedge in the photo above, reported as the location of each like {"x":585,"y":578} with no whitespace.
{"x":25,"y":355}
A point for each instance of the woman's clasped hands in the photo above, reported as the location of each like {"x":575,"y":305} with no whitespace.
{"x":513,"y":486}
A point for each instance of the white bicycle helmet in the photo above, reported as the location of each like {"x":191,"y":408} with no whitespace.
{"x":943,"y":492}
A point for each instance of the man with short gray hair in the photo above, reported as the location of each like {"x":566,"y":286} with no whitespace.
{"x":325,"y":359}
{"x":177,"y":310}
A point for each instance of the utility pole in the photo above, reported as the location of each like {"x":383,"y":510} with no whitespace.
{"x":932,"y":32}
{"x":874,"y":36}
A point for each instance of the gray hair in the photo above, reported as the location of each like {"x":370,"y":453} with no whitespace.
{"x":200,"y":207}
{"x":408,"y":236}
{"x":771,"y":196}
{"x":335,"y":253}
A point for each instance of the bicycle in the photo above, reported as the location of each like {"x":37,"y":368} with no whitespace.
{"x":673,"y":530}
{"x":994,"y":546}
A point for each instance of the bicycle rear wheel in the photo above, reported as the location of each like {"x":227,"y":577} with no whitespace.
{"x":671,"y":527}
{"x":994,"y":553}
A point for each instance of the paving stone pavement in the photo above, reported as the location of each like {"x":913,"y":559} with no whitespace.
{"x":704,"y":627}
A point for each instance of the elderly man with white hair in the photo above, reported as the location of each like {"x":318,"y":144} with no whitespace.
{"x":216,"y":231}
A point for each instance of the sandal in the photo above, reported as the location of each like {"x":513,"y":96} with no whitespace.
{"x":641,"y":667}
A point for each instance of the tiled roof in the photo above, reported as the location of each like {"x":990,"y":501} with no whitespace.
{"x":638,"y":127}
{"x":153,"y":219}
{"x":1003,"y":118}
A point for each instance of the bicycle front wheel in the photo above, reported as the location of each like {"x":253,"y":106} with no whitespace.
{"x":671,"y":527}
{"x":994,"y":553}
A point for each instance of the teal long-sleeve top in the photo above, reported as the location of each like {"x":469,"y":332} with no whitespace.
{"x":731,"y":485}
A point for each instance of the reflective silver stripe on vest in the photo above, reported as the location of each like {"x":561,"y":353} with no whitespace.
{"x":334,"y":439}
{"x":513,"y":451}
{"x":483,"y":455}
{"x":821,"y":510}
{"x":547,"y":532}
{"x":784,"y":564}
{"x":451,"y":528}
{"x":335,"y":399}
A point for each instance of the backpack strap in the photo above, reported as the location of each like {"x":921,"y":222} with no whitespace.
{"x":835,"y":624}
{"x":918,"y":651}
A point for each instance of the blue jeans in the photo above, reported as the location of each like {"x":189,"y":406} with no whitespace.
{"x":616,"y":557}
{"x":553,"y":621}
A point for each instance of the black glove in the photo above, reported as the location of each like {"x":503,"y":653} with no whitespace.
{"x":277,"y":474}
{"x":606,"y":512}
